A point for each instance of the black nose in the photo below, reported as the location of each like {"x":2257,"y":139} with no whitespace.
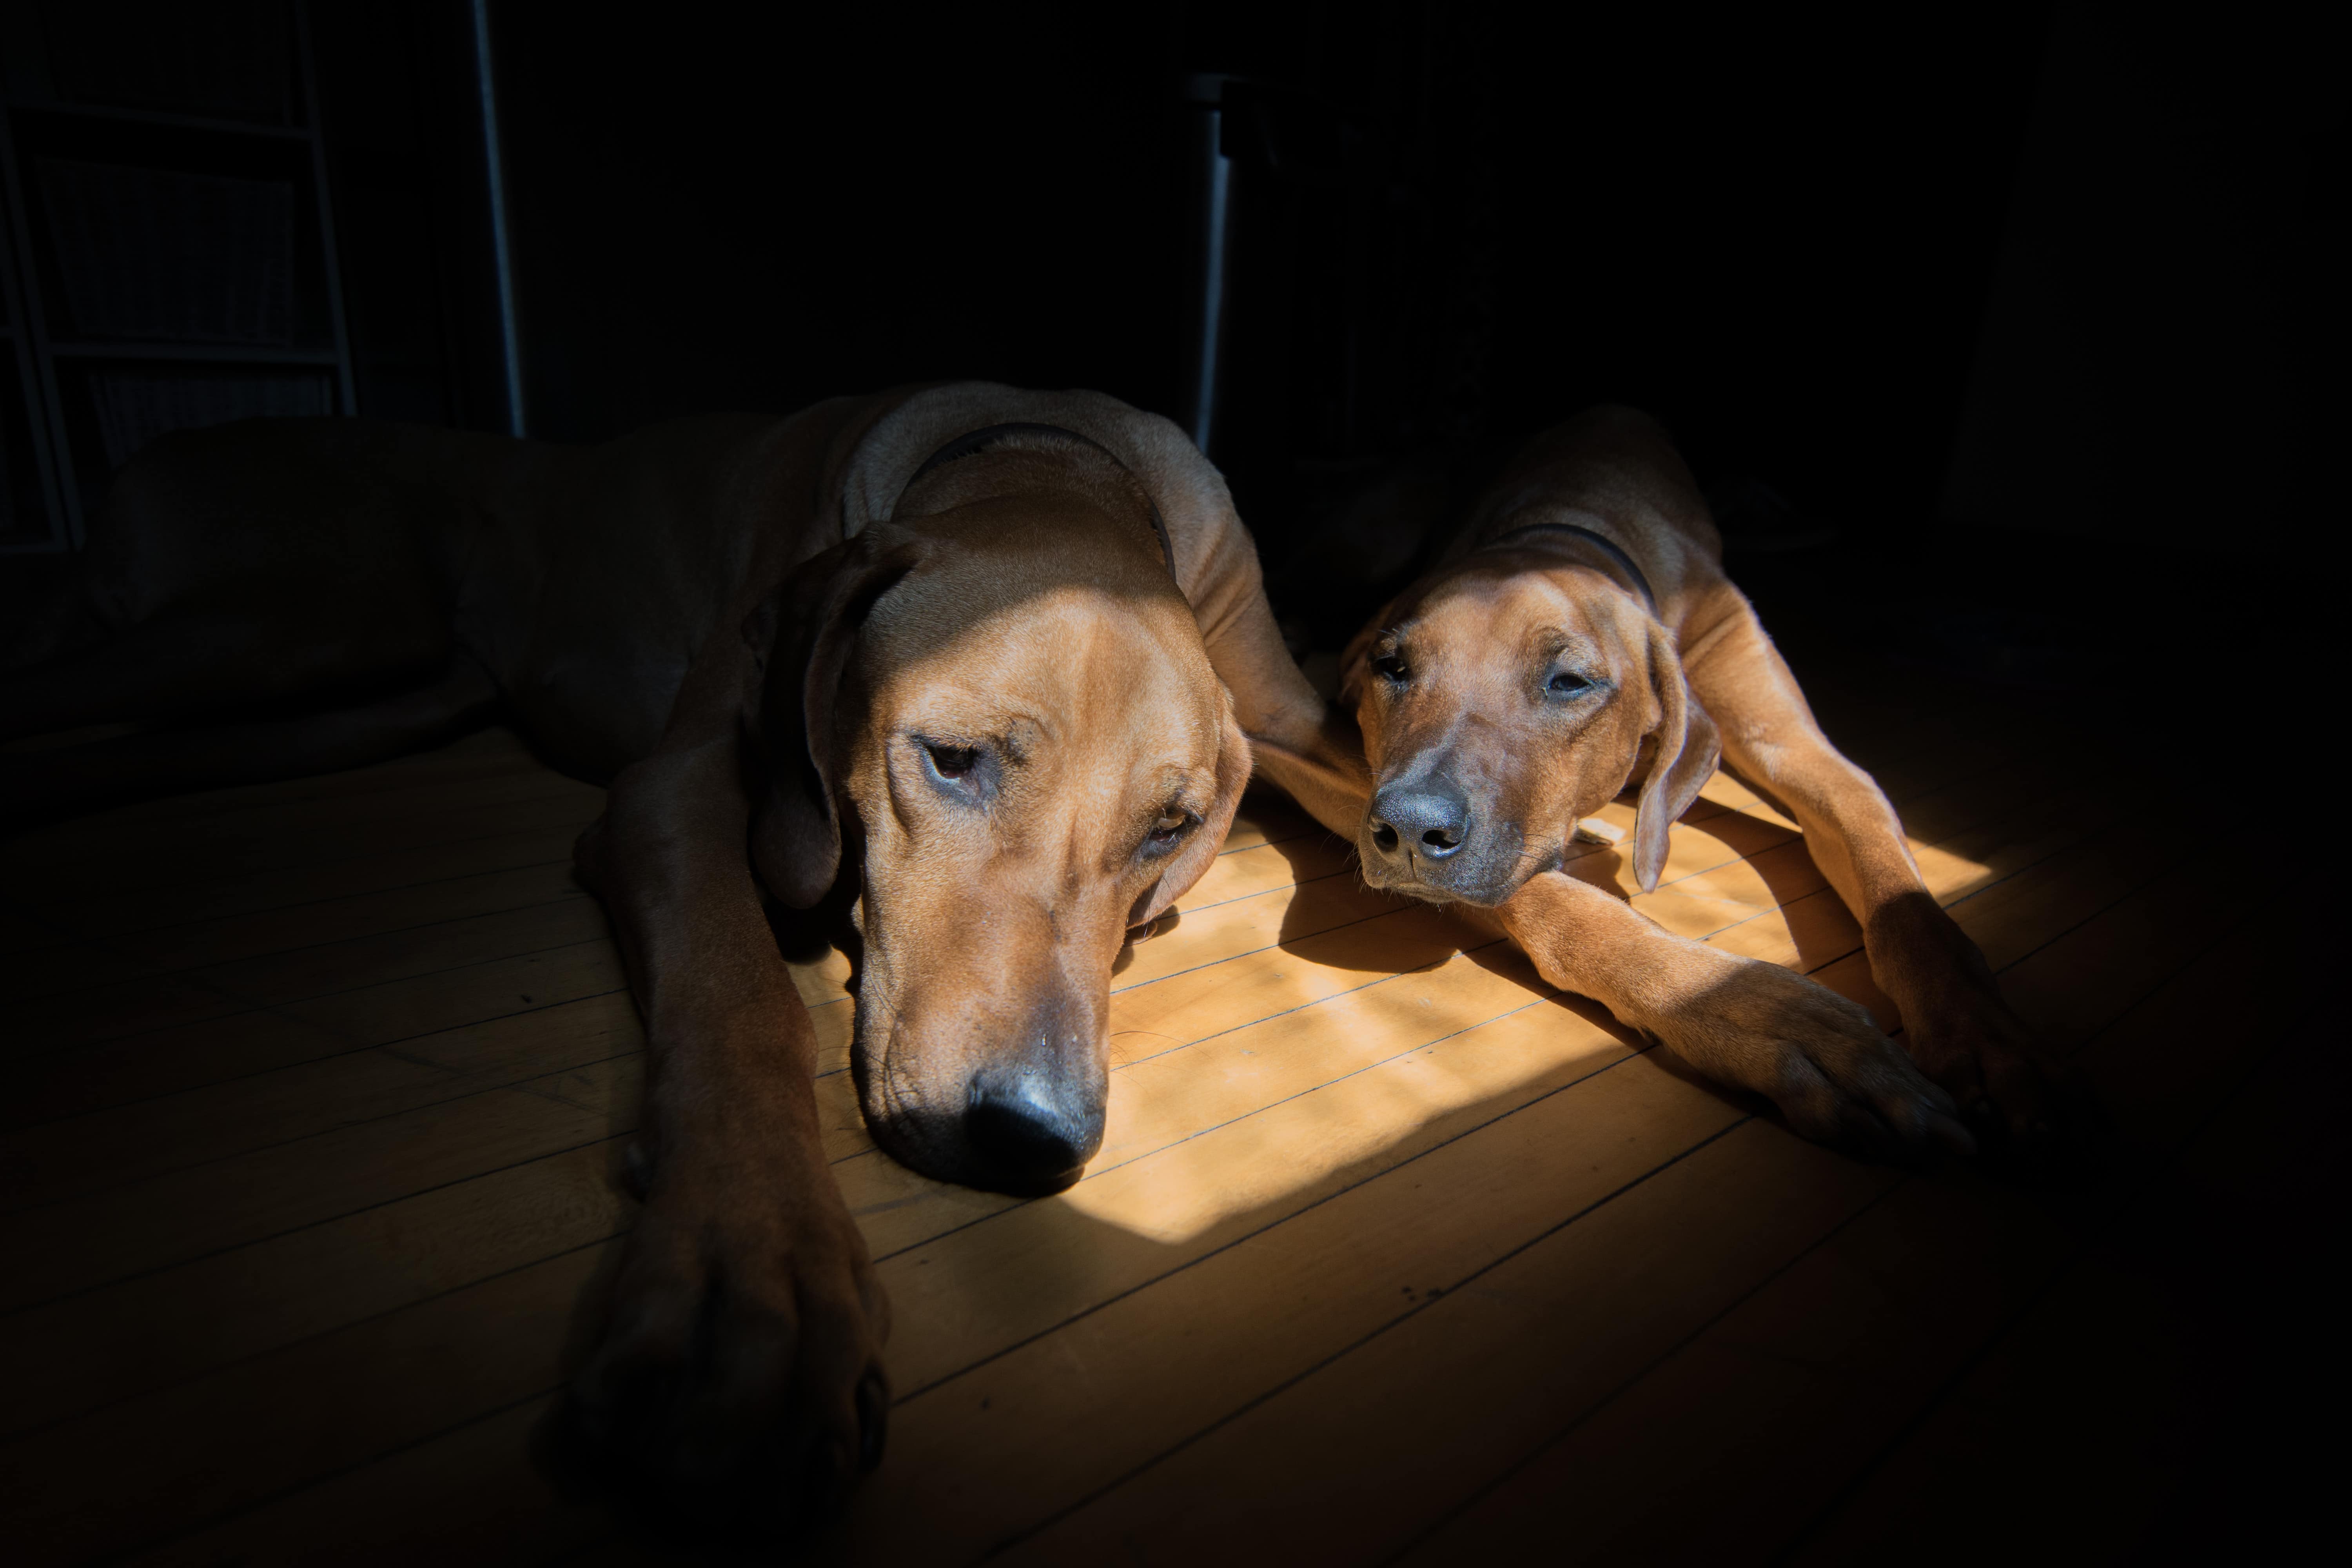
{"x":1029,"y":1131}
{"x":1429,"y":818}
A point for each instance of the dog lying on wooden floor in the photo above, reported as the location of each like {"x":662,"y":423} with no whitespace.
{"x":993,"y":662}
{"x":1579,"y":634}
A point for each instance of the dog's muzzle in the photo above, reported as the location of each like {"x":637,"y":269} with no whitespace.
{"x":1424,"y":837}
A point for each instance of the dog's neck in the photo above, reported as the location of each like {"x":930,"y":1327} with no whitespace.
{"x":1046,"y":440}
{"x":1594,"y":543}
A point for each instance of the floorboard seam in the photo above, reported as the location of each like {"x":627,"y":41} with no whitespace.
{"x":1224,"y":1246}
{"x":283,"y":1346}
{"x":1416,"y":1310}
{"x":611,"y":1136}
{"x":328,"y":1056}
{"x":249,"y":1005}
{"x":168,"y":972}
{"x":248,"y":1153}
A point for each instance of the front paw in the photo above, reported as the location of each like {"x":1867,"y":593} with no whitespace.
{"x":2024,"y":1105}
{"x":736,"y":1391}
{"x":2021,"y":1103}
{"x":1816,"y":1056}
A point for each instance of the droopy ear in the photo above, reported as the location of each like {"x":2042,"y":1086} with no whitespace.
{"x":1191,"y":862}
{"x":800,"y":635}
{"x":1685,"y":759}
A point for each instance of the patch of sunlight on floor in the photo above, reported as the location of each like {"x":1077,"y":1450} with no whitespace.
{"x":1342,"y":1087}
{"x":1242,"y":1081}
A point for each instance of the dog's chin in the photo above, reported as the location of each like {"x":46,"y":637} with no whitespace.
{"x":1480,"y":892}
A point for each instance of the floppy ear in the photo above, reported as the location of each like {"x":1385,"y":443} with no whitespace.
{"x":1191,"y":862}
{"x":1685,"y":759}
{"x":800,"y":635}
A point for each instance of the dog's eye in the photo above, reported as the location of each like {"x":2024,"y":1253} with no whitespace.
{"x":1392,"y":665}
{"x":1567,"y":683}
{"x":1172,"y":824}
{"x":952,"y":762}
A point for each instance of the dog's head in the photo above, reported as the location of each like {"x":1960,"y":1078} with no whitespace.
{"x":1007,"y":710}
{"x":1502,"y":699}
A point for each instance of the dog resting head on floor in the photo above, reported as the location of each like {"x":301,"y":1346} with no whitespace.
{"x":1001,"y":698}
{"x":1506,"y":696}
{"x":1580,"y":634}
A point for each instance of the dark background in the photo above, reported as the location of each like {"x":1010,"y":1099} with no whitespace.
{"x":1963,"y":287}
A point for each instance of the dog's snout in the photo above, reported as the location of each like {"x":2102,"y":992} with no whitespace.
{"x":1428,"y":820}
{"x":1030,"y":1130}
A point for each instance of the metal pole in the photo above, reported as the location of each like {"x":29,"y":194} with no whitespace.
{"x":501,"y":247}
{"x":1211,"y":247}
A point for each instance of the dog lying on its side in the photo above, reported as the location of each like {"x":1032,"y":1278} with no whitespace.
{"x":992,"y":663}
{"x":1577,"y":634}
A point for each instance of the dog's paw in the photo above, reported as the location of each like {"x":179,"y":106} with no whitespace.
{"x":736,"y":1392}
{"x":2023,"y":1106}
{"x":1816,"y":1056}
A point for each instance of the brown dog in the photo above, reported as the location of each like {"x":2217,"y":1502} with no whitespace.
{"x":990,"y":661}
{"x":1580,"y":634}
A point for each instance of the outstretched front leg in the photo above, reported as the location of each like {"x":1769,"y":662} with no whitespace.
{"x":1742,"y":1022}
{"x":738,"y":1377}
{"x":1959,"y":1029}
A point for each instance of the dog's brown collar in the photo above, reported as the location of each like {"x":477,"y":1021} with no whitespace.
{"x":1609,"y":547}
{"x":972,"y":442}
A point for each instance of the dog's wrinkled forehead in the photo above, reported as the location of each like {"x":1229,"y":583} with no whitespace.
{"x":1488,"y":614}
{"x":1069,"y":667}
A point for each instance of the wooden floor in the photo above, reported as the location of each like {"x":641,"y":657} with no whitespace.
{"x":314,"y":1094}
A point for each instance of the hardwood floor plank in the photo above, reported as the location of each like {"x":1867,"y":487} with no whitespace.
{"x":49,"y":968}
{"x":180,"y":845}
{"x":81,"y":1155}
{"x":448,"y":998}
{"x":101,"y":916}
{"x":133,"y":1004}
{"x":1177,"y":1094}
{"x":2038,"y":849}
{"x":998,"y":1451}
{"x":77,"y":1245}
{"x":412,"y":953}
{"x":1267,"y":817}
{"x":162,"y":1328}
{"x":297,"y":866}
{"x":105,"y":832}
{"x":267,"y":1426}
{"x":233,"y":938}
{"x":92,"y":1078}
{"x":485,"y":752}
{"x":483,"y":1508}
